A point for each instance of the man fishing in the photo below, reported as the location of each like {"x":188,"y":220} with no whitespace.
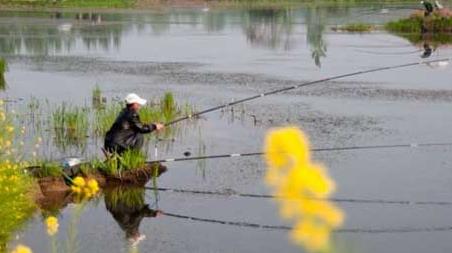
{"x":127,"y":131}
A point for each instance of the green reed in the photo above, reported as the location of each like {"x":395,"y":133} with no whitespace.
{"x":3,"y":69}
{"x":70,"y":124}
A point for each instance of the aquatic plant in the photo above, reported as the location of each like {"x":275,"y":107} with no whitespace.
{"x":355,"y":27}
{"x":46,"y":168}
{"x":3,"y":69}
{"x":132,"y":159}
{"x":105,"y":117}
{"x":16,"y":205}
{"x":417,"y":23}
{"x":70,"y":125}
{"x":96,"y":97}
{"x":302,"y":188}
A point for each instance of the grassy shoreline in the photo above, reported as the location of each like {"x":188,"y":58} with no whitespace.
{"x":143,"y":4}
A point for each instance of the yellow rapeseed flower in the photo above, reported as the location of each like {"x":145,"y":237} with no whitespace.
{"x":79,"y":181}
{"x":302,"y":188}
{"x":93,"y":185}
{"x":21,"y":249}
{"x":52,"y":225}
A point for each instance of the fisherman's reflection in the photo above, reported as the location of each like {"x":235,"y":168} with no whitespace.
{"x":128,"y":208}
{"x":427,"y":50}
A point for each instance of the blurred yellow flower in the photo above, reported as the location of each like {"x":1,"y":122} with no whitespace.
{"x":302,"y":188}
{"x":79,"y":181}
{"x":52,"y":225}
{"x":21,"y":249}
{"x":83,"y":189}
{"x":93,"y":186}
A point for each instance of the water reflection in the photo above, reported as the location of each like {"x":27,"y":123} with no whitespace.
{"x":315,"y":25}
{"x":128,"y":208}
{"x":273,"y":28}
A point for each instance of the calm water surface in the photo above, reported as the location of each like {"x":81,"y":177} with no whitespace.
{"x":212,"y":57}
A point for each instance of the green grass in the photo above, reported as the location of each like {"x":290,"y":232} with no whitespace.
{"x":70,"y":124}
{"x":3,"y":69}
{"x":48,"y":169}
{"x":355,"y":27}
{"x":70,"y":3}
{"x":129,"y":160}
{"x":105,"y":117}
{"x":434,"y":24}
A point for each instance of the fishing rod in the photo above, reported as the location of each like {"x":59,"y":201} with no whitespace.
{"x":350,"y":148}
{"x":285,"y":228}
{"x":339,"y":200}
{"x":272,"y":92}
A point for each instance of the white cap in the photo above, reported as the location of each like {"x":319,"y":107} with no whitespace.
{"x":133,"y":98}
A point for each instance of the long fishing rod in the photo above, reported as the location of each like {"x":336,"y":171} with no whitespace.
{"x":350,"y":148}
{"x":285,"y":228}
{"x":339,"y":200}
{"x":189,"y":116}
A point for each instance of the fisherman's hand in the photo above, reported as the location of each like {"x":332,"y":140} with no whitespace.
{"x":158,"y":213}
{"x":159,"y":126}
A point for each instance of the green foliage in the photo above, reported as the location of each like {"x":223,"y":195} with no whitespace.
{"x":168,"y":106}
{"x":70,"y":125}
{"x":409,"y":25}
{"x":3,"y":69}
{"x":132,"y":159}
{"x":47,"y":169}
{"x":356,"y":27}
{"x":114,"y":165}
{"x":105,"y":117}
{"x":16,"y":205}
{"x":72,"y":3}
{"x":436,"y":23}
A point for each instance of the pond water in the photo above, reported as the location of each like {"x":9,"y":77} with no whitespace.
{"x":210,"y":57}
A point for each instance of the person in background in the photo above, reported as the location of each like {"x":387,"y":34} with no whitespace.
{"x":127,"y":131}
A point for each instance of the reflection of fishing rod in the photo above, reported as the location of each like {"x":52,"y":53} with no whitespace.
{"x":412,"y":145}
{"x":340,"y":200}
{"x":301,"y":85}
{"x":282,"y":227}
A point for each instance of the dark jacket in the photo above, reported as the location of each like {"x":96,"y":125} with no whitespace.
{"x":126,"y":130}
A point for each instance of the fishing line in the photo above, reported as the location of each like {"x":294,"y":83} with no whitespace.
{"x":339,"y":200}
{"x":282,"y":227}
{"x":301,"y":85}
{"x":351,"y":148}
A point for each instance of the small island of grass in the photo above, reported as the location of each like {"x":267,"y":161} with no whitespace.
{"x":438,"y":22}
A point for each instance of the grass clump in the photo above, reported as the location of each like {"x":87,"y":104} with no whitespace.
{"x":3,"y":69}
{"x":129,"y":160}
{"x":438,"y":22}
{"x":47,"y":169}
{"x":71,"y":3}
{"x":355,"y":27}
{"x":70,"y":124}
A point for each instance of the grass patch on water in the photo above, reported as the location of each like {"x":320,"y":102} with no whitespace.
{"x":355,"y":27}
{"x":70,"y":124}
{"x":417,"y":23}
{"x":3,"y":69}
{"x":70,"y":3}
{"x":115,"y":165}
